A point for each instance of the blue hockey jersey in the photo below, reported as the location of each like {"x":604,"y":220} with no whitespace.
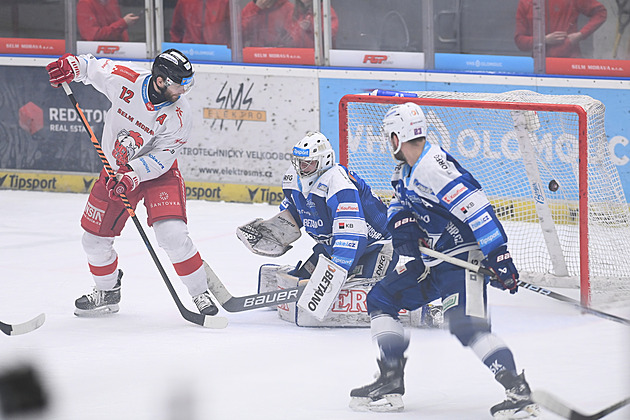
{"x":339,"y":211}
{"x":447,"y":202}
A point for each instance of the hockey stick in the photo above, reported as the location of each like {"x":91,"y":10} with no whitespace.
{"x":246,"y":303}
{"x":24,"y":327}
{"x":523,"y":284}
{"x":555,"y":405}
{"x":199,"y":319}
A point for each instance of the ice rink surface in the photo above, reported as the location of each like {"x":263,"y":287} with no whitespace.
{"x":147,"y":362}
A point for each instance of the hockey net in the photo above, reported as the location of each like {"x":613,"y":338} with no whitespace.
{"x":520,"y":146}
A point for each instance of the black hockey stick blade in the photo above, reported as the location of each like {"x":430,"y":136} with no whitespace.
{"x":576,"y":303}
{"x":536,"y":289}
{"x":247,"y":303}
{"x":561,"y":408}
{"x":23,"y":328}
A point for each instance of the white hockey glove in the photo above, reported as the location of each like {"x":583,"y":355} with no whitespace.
{"x":271,"y":237}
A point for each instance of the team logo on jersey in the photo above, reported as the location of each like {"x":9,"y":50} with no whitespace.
{"x":126,"y":145}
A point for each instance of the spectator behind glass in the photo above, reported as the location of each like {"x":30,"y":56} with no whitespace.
{"x":561,"y":25}
{"x":201,"y":22}
{"x":101,"y":20}
{"x":267,"y":23}
{"x":302,"y":25}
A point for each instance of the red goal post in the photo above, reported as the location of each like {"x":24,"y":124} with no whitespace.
{"x":544,"y":162}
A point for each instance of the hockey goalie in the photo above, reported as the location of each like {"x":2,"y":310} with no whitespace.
{"x":353,"y":248}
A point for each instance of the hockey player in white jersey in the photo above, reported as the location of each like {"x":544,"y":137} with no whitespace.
{"x":438,"y":204}
{"x":335,"y":207}
{"x":148,"y":123}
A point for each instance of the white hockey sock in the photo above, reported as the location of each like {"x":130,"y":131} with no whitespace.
{"x":102,"y":259}
{"x":172,"y":237}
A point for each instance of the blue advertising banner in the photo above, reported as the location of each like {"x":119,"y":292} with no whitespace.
{"x":201,"y":52}
{"x":612,"y":93}
{"x":485,"y":63}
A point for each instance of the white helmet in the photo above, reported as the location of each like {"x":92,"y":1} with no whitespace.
{"x":313,"y":155}
{"x":407,"y":121}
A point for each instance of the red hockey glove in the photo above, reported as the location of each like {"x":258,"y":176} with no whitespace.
{"x":124,"y":182}
{"x":65,"y":69}
{"x":505,"y":274}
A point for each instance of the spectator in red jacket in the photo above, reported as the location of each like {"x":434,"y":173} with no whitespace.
{"x":201,"y":22}
{"x":101,"y":20}
{"x":267,"y":23}
{"x":562,"y":37}
{"x":302,"y":26}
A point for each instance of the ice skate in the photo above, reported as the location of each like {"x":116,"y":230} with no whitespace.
{"x":519,"y":403}
{"x":385,"y":394}
{"x":204,"y":304}
{"x":99,"y":302}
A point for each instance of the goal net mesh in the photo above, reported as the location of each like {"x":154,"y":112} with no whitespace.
{"x":524,"y":149}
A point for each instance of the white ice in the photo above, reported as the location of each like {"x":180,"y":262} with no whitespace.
{"x":147,"y":362}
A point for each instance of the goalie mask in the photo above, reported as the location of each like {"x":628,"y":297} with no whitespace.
{"x":313,"y":155}
{"x":407,"y":121}
{"x":175,"y":68}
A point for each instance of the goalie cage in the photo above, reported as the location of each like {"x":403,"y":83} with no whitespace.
{"x":543,"y":161}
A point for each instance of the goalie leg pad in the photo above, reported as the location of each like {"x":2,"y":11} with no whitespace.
{"x":322,"y":289}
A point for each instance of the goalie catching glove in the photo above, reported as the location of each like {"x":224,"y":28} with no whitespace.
{"x":271,"y":237}
{"x":499,"y":261}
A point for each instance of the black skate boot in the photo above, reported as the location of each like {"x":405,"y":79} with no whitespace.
{"x":99,"y":302}
{"x":519,"y":403}
{"x":385,"y":394}
{"x":204,"y":304}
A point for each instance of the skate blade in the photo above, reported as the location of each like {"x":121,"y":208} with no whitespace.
{"x":389,"y":403}
{"x":531,"y":411}
{"x":97,"y":313}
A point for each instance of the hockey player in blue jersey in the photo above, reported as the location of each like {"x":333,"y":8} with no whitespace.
{"x":335,"y":207}
{"x":439,"y":205}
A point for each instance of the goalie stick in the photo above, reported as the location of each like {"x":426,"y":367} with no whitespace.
{"x":258,"y":300}
{"x":246,"y":303}
{"x":24,"y":327}
{"x":207,"y":321}
{"x":561,"y":408}
{"x":523,"y":284}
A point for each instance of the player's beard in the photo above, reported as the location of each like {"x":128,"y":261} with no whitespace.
{"x":171,"y":97}
{"x":399,"y":156}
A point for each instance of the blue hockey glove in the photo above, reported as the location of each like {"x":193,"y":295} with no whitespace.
{"x":406,"y":234}
{"x":500,"y":263}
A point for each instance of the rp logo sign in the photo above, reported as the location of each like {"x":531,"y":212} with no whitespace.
{"x":107,"y":49}
{"x":374,"y":59}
